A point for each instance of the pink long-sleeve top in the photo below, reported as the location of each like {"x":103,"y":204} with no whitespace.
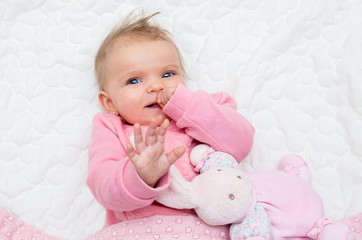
{"x":195,"y":117}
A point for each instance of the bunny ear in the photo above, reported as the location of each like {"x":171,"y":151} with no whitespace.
{"x":179,"y":194}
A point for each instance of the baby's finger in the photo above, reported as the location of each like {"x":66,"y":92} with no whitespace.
{"x":175,"y":154}
{"x":151,"y":134}
{"x":131,"y":153}
{"x":163,"y":98}
{"x":160,"y":100}
{"x":138,"y":138}
{"x":162,"y":131}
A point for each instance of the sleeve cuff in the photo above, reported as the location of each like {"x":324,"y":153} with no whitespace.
{"x":178,"y":103}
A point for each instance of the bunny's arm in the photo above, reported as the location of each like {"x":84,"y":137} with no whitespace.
{"x":255,"y":226}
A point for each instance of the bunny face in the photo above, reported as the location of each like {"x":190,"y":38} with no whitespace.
{"x":223,"y":195}
{"x":219,"y":196}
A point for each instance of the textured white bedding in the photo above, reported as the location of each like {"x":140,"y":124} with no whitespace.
{"x":294,"y":67}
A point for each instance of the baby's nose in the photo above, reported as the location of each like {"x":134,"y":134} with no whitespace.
{"x":155,"y":86}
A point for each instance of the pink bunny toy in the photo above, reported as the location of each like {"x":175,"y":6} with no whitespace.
{"x":264,"y":205}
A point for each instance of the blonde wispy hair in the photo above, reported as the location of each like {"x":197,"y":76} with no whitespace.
{"x":133,"y":26}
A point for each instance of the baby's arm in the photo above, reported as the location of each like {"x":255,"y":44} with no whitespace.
{"x":112,"y":177}
{"x":211,"y":119}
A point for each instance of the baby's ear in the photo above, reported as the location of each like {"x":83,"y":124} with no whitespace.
{"x":106,"y":102}
{"x":179,"y":194}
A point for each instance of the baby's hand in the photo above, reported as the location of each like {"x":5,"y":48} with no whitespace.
{"x":149,"y":157}
{"x":165,"y":95}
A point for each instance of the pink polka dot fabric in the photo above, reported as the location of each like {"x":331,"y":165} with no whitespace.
{"x":156,"y":227}
{"x":152,"y":228}
{"x":163,"y":227}
{"x":13,"y":228}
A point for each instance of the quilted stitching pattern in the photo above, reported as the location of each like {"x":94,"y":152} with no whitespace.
{"x":293,"y":66}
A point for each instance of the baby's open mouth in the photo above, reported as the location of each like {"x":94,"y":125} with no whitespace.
{"x":153,"y":105}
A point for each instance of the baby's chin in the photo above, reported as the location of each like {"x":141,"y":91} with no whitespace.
{"x":158,"y":120}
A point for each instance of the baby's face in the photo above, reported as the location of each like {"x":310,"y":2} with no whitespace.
{"x":136,"y":71}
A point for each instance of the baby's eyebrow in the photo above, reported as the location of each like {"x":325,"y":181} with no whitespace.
{"x":173,"y":66}
{"x":128,"y":75}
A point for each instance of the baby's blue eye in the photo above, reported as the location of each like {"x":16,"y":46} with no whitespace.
{"x":167,"y":75}
{"x":133,"y":81}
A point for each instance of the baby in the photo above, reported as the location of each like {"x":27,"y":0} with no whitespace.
{"x":153,"y":121}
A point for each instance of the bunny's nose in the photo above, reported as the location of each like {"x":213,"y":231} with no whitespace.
{"x":231,"y":196}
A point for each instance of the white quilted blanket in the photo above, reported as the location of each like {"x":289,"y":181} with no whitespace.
{"x":294,"y":67}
